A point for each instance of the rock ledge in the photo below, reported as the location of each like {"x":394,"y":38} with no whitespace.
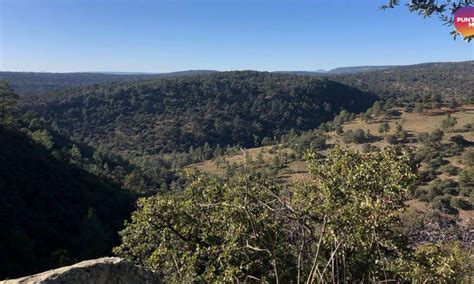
{"x":101,"y":270}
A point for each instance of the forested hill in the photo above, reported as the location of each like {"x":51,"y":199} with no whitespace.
{"x":416,"y":81}
{"x":384,"y":80}
{"x":226,"y":108}
{"x":28,"y":83}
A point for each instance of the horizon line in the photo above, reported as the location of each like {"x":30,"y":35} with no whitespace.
{"x":321,"y":70}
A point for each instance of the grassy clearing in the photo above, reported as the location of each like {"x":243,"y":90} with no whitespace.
{"x":413,"y":123}
{"x":294,"y":170}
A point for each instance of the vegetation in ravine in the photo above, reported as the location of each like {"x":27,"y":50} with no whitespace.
{"x":57,"y":207}
{"x":53,"y":213}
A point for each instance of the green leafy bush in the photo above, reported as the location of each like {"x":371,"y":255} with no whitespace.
{"x":461,"y":203}
{"x":443,"y":203}
{"x":250,"y":229}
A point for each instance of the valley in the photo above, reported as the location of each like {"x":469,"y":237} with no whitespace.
{"x":203,"y":141}
{"x":117,"y":146}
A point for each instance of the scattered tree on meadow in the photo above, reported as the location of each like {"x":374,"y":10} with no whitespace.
{"x":419,"y":107}
{"x":377,"y":108}
{"x":453,"y":104}
{"x":384,"y":128}
{"x":449,"y":122}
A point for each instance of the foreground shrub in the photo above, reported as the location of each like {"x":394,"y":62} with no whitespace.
{"x":338,"y":227}
{"x":439,"y":263}
{"x":461,"y":203}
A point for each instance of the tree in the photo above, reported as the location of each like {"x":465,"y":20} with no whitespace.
{"x":260,"y":157}
{"x":344,"y":115}
{"x":276,"y":162}
{"x":8,"y":101}
{"x":443,"y":9}
{"x":436,"y":136}
{"x":449,"y":122}
{"x":377,"y":108}
{"x":75,"y":152}
{"x":134,"y":181}
{"x":359,"y":197}
{"x":358,"y":136}
{"x":366,"y":116}
{"x":453,"y":104}
{"x":218,"y":151}
{"x":43,"y":137}
{"x":218,"y":161}
{"x":403,"y":135}
{"x":391,"y":139}
{"x":210,"y":231}
{"x":436,"y":100}
{"x":419,"y":107}
{"x":384,"y":128}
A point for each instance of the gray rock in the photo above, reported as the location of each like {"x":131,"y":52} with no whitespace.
{"x":102,"y":270}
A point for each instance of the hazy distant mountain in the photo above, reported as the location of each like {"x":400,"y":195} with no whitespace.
{"x":359,"y":69}
{"x":25,"y":83}
{"x":303,"y":73}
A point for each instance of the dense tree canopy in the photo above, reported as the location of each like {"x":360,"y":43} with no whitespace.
{"x":233,"y":108}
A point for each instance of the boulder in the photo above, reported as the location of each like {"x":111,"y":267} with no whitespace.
{"x":102,"y":270}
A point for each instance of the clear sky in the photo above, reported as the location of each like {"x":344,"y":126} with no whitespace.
{"x":163,"y":36}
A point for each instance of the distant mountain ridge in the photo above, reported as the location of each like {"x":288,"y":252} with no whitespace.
{"x":349,"y":70}
{"x":27,"y":83}
{"x":359,"y":69}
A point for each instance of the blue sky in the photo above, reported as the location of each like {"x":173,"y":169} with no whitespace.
{"x":163,"y":36}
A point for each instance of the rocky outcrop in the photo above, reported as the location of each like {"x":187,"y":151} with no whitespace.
{"x":102,"y":270}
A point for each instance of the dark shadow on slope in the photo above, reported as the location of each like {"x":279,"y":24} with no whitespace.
{"x":51,"y":212}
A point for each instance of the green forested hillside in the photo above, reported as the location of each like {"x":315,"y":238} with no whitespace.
{"x":414,"y":82}
{"x":175,"y":114}
{"x":52,"y":212}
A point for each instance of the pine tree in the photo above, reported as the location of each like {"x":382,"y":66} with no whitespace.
{"x":384,"y":128}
